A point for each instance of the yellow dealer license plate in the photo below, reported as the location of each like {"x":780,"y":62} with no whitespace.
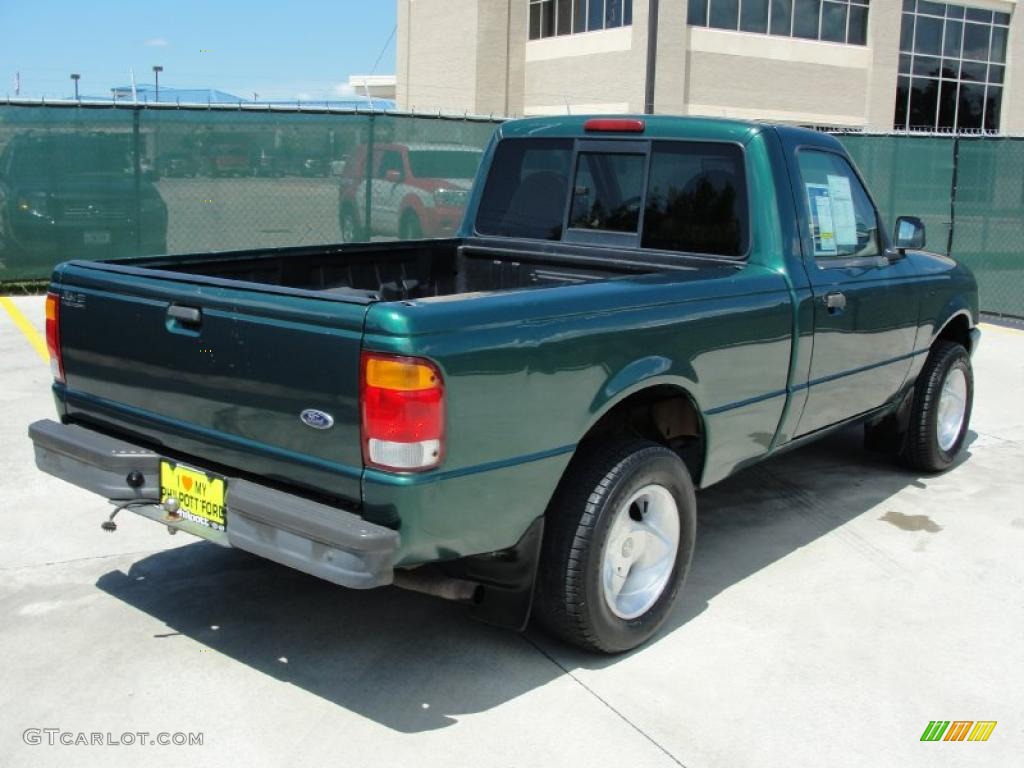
{"x":200,"y":495}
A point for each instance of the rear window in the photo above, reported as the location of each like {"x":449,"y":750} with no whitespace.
{"x":696,"y":199}
{"x":526,"y":189}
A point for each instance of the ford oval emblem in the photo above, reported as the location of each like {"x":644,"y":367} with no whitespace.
{"x":311,"y":417}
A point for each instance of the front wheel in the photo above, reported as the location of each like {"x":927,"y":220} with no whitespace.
{"x":618,"y":543}
{"x":941,"y":410}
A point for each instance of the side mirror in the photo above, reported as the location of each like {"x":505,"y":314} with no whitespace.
{"x":394,"y":175}
{"x":909,"y":233}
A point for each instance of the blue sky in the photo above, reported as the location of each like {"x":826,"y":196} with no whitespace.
{"x":280,"y":50}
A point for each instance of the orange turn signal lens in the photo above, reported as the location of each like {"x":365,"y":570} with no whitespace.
{"x":399,"y":375}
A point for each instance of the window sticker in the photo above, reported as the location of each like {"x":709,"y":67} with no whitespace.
{"x":822,"y":227}
{"x":844,"y":217}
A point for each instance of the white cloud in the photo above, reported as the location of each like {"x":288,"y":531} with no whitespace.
{"x":157,"y":42}
{"x":343,"y":89}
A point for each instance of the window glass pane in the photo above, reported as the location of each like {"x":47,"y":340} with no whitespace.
{"x":805,"y":18}
{"x":579,"y":16}
{"x":595,"y":14}
{"x":909,"y":5}
{"x":927,"y":66}
{"x":928,"y":36}
{"x":998,"y":52}
{"x":995,"y":73}
{"x":782,"y":17}
{"x":951,"y":69}
{"x":754,"y":16}
{"x":564,"y":17}
{"x":972,"y":100}
{"x":902,"y":94}
{"x":947,"y":105}
{"x":724,"y":14}
{"x":627,"y":12}
{"x":696,"y":199}
{"x":976,"y":41}
{"x":612,"y":14}
{"x":973,"y":70}
{"x":993,"y":107}
{"x":842,"y":219}
{"x":534,"y":21}
{"x":954,"y":33}
{"x":1001,"y":18}
{"x":608,"y":192}
{"x":858,"y":25}
{"x":907,"y":33}
{"x":547,"y":19}
{"x":923,"y":102}
{"x":697,"y":13}
{"x":525,"y":192}
{"x":954,"y":11}
{"x":935,"y":9}
{"x":904,"y":64}
{"x":976,"y":14}
{"x":833,"y":22}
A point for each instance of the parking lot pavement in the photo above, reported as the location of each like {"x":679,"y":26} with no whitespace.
{"x":836,"y":605}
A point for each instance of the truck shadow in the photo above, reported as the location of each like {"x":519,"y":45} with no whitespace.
{"x":413,"y":663}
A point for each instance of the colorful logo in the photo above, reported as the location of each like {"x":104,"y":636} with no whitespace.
{"x":958,"y":730}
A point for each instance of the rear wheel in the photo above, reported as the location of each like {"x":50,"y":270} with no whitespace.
{"x":617,"y":546}
{"x":410,"y":228}
{"x":350,"y":230}
{"x":941,"y":410}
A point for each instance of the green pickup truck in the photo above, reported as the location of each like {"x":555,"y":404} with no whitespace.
{"x":517,"y":418}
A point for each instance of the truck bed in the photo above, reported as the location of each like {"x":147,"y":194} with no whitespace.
{"x":400,"y":270}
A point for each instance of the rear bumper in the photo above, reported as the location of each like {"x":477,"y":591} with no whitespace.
{"x":321,"y":540}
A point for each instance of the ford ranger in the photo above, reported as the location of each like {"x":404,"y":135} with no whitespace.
{"x":517,"y":417}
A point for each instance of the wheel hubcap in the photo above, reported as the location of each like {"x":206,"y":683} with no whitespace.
{"x":952,"y":408}
{"x":640,"y":552}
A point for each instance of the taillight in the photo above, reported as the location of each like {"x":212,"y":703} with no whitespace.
{"x":53,"y":335}
{"x":402,"y":400}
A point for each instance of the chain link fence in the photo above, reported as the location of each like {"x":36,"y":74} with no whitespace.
{"x":99,"y":181}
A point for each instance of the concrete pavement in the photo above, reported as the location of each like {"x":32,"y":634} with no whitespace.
{"x":836,"y":605}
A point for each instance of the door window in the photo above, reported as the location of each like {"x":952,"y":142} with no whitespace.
{"x":842,"y":220}
{"x":391,"y":161}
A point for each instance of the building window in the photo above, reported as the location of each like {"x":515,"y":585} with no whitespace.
{"x":952,"y":67}
{"x":834,"y":21}
{"x":563,"y":17}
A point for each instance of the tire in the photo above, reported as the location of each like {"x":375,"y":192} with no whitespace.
{"x":573,"y":601}
{"x":351,"y":232}
{"x":410,"y":228}
{"x":935,"y":436}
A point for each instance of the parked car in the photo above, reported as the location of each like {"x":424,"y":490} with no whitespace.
{"x":517,"y":417}
{"x":68,"y":196}
{"x":227,"y":160}
{"x":416,"y":190}
{"x":177,"y":165}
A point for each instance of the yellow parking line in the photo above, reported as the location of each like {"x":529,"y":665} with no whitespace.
{"x":987,"y":327}
{"x":27,"y":329}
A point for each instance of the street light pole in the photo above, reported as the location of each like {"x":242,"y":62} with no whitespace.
{"x":157,"y":69}
{"x":75,"y":76}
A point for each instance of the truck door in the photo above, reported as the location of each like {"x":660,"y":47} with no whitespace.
{"x":388,"y":188}
{"x":865,"y":306}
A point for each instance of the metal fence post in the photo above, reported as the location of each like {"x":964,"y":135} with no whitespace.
{"x":137,"y":173}
{"x":952,"y":195}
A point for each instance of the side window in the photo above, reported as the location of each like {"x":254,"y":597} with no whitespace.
{"x":696,"y":199}
{"x":607,"y":192}
{"x":391,"y":161}
{"x":842,"y":220}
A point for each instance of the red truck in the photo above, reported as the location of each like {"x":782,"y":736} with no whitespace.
{"x":416,"y":190}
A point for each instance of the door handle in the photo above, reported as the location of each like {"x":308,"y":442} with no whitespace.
{"x":835,"y":302}
{"x":188,"y":315}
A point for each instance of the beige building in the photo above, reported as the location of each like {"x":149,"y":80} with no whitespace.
{"x":879,"y":65}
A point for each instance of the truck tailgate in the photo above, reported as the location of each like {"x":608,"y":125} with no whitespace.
{"x":218,"y":372}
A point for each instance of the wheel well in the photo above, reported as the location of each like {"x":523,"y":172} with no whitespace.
{"x":957,"y":330}
{"x":662,"y":414}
